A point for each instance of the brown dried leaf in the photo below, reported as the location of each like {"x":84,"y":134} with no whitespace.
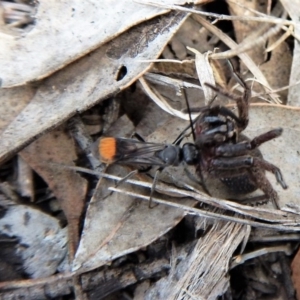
{"x":191,"y":35}
{"x":68,"y":187}
{"x":13,"y":102}
{"x":278,"y":68}
{"x":296,"y":273}
{"x":246,"y":59}
{"x":186,"y":69}
{"x":245,"y":29}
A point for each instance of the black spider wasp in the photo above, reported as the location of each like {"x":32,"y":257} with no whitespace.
{"x":219,"y":148}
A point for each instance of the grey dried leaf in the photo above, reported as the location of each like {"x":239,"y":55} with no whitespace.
{"x":64,"y":32}
{"x":83,"y":83}
{"x":46,"y":242}
{"x":120,"y":224}
{"x":283,"y":151}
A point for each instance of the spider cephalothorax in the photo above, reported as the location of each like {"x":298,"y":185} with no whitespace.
{"x":226,"y":154}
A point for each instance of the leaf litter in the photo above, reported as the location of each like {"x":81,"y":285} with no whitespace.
{"x":87,"y":25}
{"x":122,"y":223}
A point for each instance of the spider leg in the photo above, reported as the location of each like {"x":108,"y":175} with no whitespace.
{"x":265,"y":165}
{"x":243,"y":147}
{"x":227,"y":163}
{"x":210,"y":139}
{"x":219,"y":126}
{"x":242,"y":102}
{"x":212,"y":136}
{"x":248,"y":162}
{"x":262,"y":199}
{"x":256,"y":167}
{"x":219,"y":112}
{"x":265,"y":137}
{"x":264,"y":184}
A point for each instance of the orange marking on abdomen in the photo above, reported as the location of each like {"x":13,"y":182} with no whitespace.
{"x":107,"y":149}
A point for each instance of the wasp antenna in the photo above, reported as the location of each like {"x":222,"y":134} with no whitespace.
{"x":189,"y":112}
{"x":212,"y":100}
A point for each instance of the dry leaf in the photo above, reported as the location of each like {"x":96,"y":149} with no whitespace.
{"x":67,"y":186}
{"x":64,"y":32}
{"x":119,"y":224}
{"x":245,"y":58}
{"x":205,"y":74}
{"x":42,"y":242}
{"x":296,"y":273}
{"x":283,"y":151}
{"x":245,"y":29}
{"x":13,"y":102}
{"x":293,"y":8}
{"x":278,"y":67}
{"x":83,"y":83}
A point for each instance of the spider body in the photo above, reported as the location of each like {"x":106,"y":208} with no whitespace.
{"x":231,"y":157}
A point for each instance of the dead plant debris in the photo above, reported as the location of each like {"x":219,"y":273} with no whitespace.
{"x":72,"y":227}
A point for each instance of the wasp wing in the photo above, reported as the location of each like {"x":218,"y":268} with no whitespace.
{"x":130,"y":151}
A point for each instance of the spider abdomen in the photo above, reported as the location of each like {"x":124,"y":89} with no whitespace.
{"x":240,"y":184}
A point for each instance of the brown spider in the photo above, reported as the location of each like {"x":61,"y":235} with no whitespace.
{"x":226,"y":154}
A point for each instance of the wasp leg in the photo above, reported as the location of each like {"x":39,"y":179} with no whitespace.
{"x":124,"y":179}
{"x":156,"y":176}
